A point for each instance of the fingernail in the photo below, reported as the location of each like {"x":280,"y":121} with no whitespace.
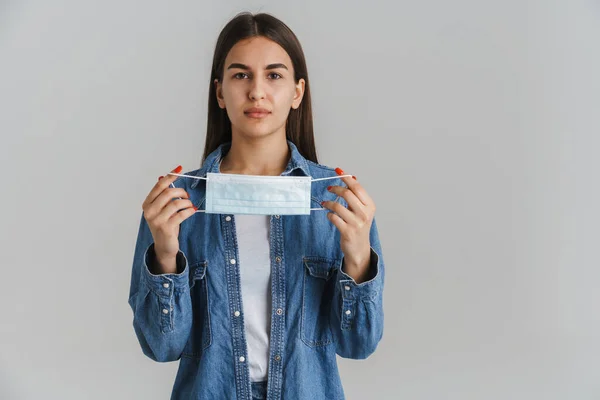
{"x":178,"y":169}
{"x":195,"y":208}
{"x":339,"y":171}
{"x":329,"y":187}
{"x":354,"y":177}
{"x":160,"y":177}
{"x":322,"y":202}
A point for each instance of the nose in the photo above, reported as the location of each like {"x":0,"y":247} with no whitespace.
{"x":256,"y":90}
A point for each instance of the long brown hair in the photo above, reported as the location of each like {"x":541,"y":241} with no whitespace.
{"x":299,"y":124}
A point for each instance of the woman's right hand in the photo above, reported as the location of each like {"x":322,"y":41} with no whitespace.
{"x":163,"y":218}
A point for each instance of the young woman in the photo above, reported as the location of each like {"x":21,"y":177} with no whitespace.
{"x":257,"y":306}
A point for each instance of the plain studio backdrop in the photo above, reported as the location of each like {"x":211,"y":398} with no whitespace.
{"x":474,"y":125}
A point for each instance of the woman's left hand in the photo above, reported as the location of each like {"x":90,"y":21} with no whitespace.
{"x":354,"y":223}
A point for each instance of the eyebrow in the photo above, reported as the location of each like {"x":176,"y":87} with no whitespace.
{"x":245,"y":67}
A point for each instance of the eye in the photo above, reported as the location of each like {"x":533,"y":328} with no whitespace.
{"x":236,"y":76}
{"x":276,"y":74}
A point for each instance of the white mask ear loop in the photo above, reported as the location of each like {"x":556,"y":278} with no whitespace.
{"x":322,"y":179}
{"x":312,"y":180}
{"x":187,"y":176}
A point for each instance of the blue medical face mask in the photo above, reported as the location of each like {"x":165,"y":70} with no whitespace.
{"x":258,"y":194}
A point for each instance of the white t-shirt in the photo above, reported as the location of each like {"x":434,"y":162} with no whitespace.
{"x":255,"y":277}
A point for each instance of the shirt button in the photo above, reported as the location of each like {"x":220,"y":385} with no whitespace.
{"x":279,"y":311}
{"x":165,"y":311}
{"x":347,"y":287}
{"x":232,"y":261}
{"x":242,"y":359}
{"x":278,"y":259}
{"x":277,"y":357}
{"x":347,"y":312}
{"x":237,"y":313}
{"x":228,"y":218}
{"x":166,"y":285}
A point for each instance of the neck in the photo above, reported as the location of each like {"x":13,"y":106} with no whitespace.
{"x":263,"y":156}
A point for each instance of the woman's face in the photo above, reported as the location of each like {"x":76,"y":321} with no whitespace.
{"x":258,"y":73}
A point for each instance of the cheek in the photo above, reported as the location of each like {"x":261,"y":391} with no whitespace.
{"x":232,"y":89}
{"x":284,"y":99}
{"x":229,"y":93}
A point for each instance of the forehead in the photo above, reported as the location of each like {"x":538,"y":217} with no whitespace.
{"x":257,"y":52}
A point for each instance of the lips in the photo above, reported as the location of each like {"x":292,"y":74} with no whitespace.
{"x":257,"y":112}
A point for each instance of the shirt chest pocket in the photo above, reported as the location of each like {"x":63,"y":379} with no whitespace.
{"x":317,"y":291}
{"x":201,"y":334}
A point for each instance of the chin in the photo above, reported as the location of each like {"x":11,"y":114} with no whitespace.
{"x":256,"y":132}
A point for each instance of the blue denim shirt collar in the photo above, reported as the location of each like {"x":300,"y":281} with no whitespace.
{"x":211,"y":164}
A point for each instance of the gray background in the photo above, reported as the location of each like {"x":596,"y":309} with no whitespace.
{"x":473,"y":124}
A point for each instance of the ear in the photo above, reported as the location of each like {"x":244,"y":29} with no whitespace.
{"x":219,"y":93}
{"x":298,"y":94}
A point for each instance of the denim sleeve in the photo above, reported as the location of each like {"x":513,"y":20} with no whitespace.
{"x":161,"y":304}
{"x":357,"y":309}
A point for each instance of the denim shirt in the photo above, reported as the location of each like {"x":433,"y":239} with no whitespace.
{"x":318,"y":311}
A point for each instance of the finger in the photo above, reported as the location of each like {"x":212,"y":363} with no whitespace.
{"x":346,"y":215}
{"x":353,"y":202}
{"x":355,"y":187}
{"x":171,"y":176}
{"x":172,"y":209}
{"x":164,"y":198}
{"x":182,"y":215}
{"x":337,"y":221}
{"x":161,"y":185}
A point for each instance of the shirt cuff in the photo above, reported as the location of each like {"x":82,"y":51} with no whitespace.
{"x":365,"y":290}
{"x":165,"y":284}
